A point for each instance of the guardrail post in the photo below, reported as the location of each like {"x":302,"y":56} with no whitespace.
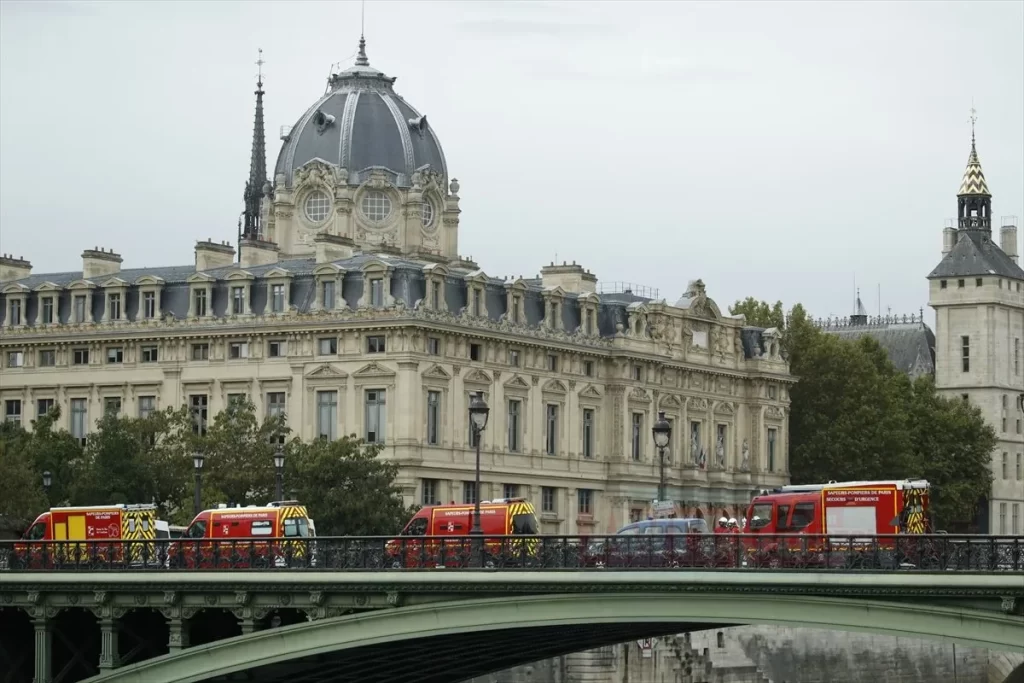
{"x":43,"y":650}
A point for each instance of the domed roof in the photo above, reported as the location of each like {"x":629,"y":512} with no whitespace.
{"x":361,"y":123}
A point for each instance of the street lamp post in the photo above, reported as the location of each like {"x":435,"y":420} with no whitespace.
{"x":279,"y":471}
{"x":197,"y":499}
{"x":662,"y":432}
{"x":47,"y":483}
{"x":478,"y":412}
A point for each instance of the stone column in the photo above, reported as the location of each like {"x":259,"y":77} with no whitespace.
{"x":177,"y":635}
{"x":43,"y":650}
{"x":109,"y":658}
{"x":248,"y":625}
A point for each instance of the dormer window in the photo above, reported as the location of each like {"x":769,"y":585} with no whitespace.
{"x":376,"y":285}
{"x":517,"y":303}
{"x":149,"y":305}
{"x":199,"y":302}
{"x":588,"y":322}
{"x":330,"y":280}
{"x":435,"y":295}
{"x":377,"y":292}
{"x":14,"y":313}
{"x":47,"y":310}
{"x":476,"y":302}
{"x":114,"y":306}
{"x":238,"y":300}
{"x":327,"y":295}
{"x":79,"y":308}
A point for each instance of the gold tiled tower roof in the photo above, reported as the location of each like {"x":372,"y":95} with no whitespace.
{"x":974,"y":178}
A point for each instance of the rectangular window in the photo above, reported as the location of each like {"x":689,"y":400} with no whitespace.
{"x":112,"y":405}
{"x":978,"y":282}
{"x":199,"y":405}
{"x":15,"y":309}
{"x":588,"y":432}
{"x":589,"y":325}
{"x":277,"y":302}
{"x":277,"y":349}
{"x":236,"y":399}
{"x":513,"y":357}
{"x":552,"y":362}
{"x":200,"y":302}
{"x":468,"y":492}
{"x":238,"y":350}
{"x":375,"y":344}
{"x":960,"y":284}
{"x":276,"y":404}
{"x":149,"y":304}
{"x":1016,"y":356}
{"x":47,"y":358}
{"x":15,"y":359}
{"x":772,"y":434}
{"x":430,"y":492}
{"x":327,"y":295}
{"x":476,"y":302}
{"x":47,"y":312}
{"x":637,"y":435}
{"x":115,"y":354}
{"x":514,"y":427}
{"x":12,"y":411}
{"x":327,"y":346}
{"x":80,"y":357}
{"x":1006,"y":465}
{"x":585,"y":502}
{"x":1020,"y":474}
{"x":547,"y":499}
{"x":433,"y":346}
{"x":474,"y":352}
{"x":1002,"y":519}
{"x":79,"y":311}
{"x":79,"y":419}
{"x":510,"y":491}
{"x":150,"y":354}
{"x":377,"y":292}
{"x":43,"y":406}
{"x":147,"y":406}
{"x":376,"y":415}
{"x":435,"y":295}
{"x":588,"y":368}
{"x":965,"y":353}
{"x":114,"y":306}
{"x":327,"y":414}
{"x":433,"y":417}
{"x":1015,"y":519}
{"x":551,"y":437}
{"x":556,"y":317}
{"x":238,"y":300}
{"x":637,"y":373}
{"x":200,"y":352}
{"x":515,"y":309}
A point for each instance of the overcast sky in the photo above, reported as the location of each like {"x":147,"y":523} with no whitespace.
{"x":779,"y":150}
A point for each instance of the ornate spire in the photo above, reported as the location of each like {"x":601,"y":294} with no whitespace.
{"x":361,"y":59}
{"x":973,"y":199}
{"x":257,"y":164}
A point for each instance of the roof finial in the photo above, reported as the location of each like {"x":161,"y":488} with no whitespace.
{"x":974,"y":119}
{"x":361,"y":59}
{"x":259,"y":65}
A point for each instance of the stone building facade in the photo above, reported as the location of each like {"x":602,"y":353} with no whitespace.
{"x":347,"y":308}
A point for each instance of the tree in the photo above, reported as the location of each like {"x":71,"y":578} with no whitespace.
{"x":57,"y":452}
{"x":21,"y":493}
{"x":349,"y":490}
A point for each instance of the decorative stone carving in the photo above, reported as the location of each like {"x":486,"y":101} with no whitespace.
{"x":745,"y":457}
{"x":725,"y":408}
{"x":378,"y":180}
{"x":698,"y":404}
{"x":720,"y":450}
{"x":242,"y":598}
{"x":774,"y":413}
{"x":639,"y":395}
{"x":316,"y":173}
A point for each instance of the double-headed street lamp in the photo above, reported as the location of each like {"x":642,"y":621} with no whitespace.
{"x":197,"y":499}
{"x":279,"y":471}
{"x":662,"y":431}
{"x":478,"y":412}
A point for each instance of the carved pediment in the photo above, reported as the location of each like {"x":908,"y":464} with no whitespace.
{"x":477,"y":276}
{"x":149,"y":280}
{"x":85,"y":284}
{"x":590,"y":391}
{"x":671,"y":401}
{"x":276,"y":272}
{"x":239,"y":275}
{"x":436,"y":269}
{"x":555,"y":386}
{"x":48,"y":287}
{"x":640,"y":395}
{"x":555,"y":291}
{"x":477,"y":377}
{"x":517,"y":284}
{"x":724,"y":408}
{"x":375,"y":265}
{"x":374,"y":370}
{"x":328,"y":269}
{"x":326,"y":370}
{"x":517,"y":382}
{"x":695,"y":403}
{"x":201,"y":278}
{"x":15,"y":288}
{"x":774,"y":413}
{"x":436,"y":372}
{"x":115,"y":282}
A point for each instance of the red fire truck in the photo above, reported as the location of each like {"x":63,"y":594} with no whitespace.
{"x":836,"y":513}
{"x":81,"y":535}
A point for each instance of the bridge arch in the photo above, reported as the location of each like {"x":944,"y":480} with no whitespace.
{"x":267,"y":655}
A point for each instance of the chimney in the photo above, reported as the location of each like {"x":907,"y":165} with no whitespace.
{"x":97,"y":262}
{"x":210,"y":255}
{"x":332,"y":247}
{"x":1008,"y":238}
{"x":570,"y":277}
{"x":949,"y":237}
{"x":256,"y":252}
{"x":12,"y":268}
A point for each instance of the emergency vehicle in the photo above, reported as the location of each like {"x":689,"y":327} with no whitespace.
{"x":100,"y":532}
{"x":233,"y":537}
{"x":498,"y":518}
{"x":838,"y":512}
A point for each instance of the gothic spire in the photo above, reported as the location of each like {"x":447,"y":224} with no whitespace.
{"x":257,"y":163}
{"x":974,"y":201}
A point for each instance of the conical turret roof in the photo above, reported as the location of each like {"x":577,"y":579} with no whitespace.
{"x":974,"y":178}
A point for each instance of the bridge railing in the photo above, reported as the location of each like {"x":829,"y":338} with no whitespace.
{"x":747,"y":552}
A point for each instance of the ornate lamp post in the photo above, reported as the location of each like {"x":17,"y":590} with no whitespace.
{"x":279,"y":471}
{"x":478,"y":412}
{"x":47,"y":483}
{"x":197,"y":499}
{"x":662,"y":432}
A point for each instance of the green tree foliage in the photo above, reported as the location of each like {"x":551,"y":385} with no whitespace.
{"x":854,"y":416}
{"x":349,"y":489}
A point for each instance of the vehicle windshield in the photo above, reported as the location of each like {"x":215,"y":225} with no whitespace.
{"x":525,"y":523}
{"x":761,"y":516}
{"x":37,"y":531}
{"x":698,"y":526}
{"x":296,"y":527}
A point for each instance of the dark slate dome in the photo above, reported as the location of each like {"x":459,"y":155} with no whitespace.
{"x":361,"y":123}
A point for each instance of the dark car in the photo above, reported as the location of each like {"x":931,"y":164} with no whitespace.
{"x":655,"y":543}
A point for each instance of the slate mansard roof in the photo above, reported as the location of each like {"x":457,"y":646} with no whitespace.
{"x":408,"y":285}
{"x":976,"y":255}
{"x":908,"y":341}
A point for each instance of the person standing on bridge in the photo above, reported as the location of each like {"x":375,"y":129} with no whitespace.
{"x":723,"y":526}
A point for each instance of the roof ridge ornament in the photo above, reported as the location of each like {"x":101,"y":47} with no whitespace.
{"x":361,"y":58}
